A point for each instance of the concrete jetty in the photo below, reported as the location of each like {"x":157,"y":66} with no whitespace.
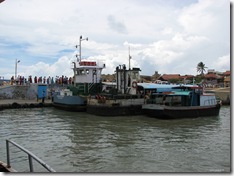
{"x":20,"y":103}
{"x":24,"y":96}
{"x":223,"y":93}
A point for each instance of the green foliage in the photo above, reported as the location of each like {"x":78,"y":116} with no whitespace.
{"x":201,"y":68}
{"x":174,"y":81}
{"x":198,"y":79}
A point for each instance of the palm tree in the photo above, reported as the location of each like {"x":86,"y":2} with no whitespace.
{"x":201,"y":68}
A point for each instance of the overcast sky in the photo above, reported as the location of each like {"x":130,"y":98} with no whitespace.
{"x":168,"y":36}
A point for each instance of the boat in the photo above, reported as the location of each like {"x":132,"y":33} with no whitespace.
{"x":65,"y":100}
{"x":121,"y":99}
{"x":124,"y":97}
{"x":185,"y":101}
{"x":86,"y":82}
{"x":6,"y":167}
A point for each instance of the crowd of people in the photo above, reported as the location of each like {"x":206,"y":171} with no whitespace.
{"x":61,"y":80}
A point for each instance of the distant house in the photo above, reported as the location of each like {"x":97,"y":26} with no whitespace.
{"x":227,"y":78}
{"x":227,"y":73}
{"x":212,"y":79}
{"x":108,"y":78}
{"x":176,"y":78}
{"x":227,"y":81}
{"x":145,"y":78}
{"x":217,"y":79}
{"x":155,"y":76}
{"x":187,"y":79}
{"x":167,"y":77}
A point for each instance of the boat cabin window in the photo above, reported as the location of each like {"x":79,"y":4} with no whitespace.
{"x":97,"y":72}
{"x":143,"y":91}
{"x":135,"y":75}
{"x":80,"y":72}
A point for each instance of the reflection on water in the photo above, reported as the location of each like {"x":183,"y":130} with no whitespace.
{"x":79,"y":142}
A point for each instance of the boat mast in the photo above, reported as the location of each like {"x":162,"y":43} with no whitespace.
{"x":129,"y":57}
{"x":80,"y":47}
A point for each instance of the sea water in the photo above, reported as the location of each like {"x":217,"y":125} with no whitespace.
{"x":80,"y":142}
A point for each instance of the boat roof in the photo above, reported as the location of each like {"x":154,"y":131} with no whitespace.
{"x":187,"y":87}
{"x":174,"y":93}
{"x":155,"y":86}
{"x":180,"y":93}
{"x":109,"y":83}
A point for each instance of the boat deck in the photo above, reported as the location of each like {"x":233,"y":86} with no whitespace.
{"x":4,"y":168}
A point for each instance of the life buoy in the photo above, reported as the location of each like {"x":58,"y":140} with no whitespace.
{"x":134,"y":84}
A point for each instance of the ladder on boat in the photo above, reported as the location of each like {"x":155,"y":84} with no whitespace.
{"x":30,"y":157}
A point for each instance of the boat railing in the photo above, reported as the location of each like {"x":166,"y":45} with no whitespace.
{"x":210,"y":102}
{"x":30,"y":157}
{"x":90,"y":86}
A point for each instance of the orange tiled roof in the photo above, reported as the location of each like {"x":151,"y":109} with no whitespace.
{"x":227,"y":73}
{"x":212,"y":75}
{"x":170,"y":76}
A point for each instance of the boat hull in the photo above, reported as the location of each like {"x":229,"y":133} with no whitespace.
{"x":171,"y":112}
{"x":70,"y":103}
{"x":75,"y":108}
{"x":114,"y":110}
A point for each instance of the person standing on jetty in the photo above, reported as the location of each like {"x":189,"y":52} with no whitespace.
{"x":43,"y":96}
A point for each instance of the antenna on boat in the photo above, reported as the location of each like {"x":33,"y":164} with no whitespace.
{"x":129,"y":57}
{"x":80,"y":47}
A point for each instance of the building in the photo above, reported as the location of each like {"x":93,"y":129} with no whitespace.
{"x":217,"y":79}
{"x":175,"y":78}
{"x":227,"y":78}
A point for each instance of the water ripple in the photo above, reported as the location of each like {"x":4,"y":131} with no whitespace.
{"x":79,"y":142}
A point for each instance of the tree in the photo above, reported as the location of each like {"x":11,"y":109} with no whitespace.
{"x":201,"y":68}
{"x":174,"y":81}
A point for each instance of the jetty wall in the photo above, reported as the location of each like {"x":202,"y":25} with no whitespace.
{"x":18,"y":92}
{"x":224,"y":96}
{"x":223,"y":93}
{"x":29,"y":91}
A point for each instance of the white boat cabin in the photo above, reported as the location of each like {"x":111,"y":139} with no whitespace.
{"x":87,"y":76}
{"x":207,"y":99}
{"x":65,"y":92}
{"x":87,"y":71}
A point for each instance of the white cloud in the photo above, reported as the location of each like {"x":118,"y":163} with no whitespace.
{"x":167,"y":31}
{"x":167,"y":36}
{"x":207,"y":17}
{"x":222,"y":63}
{"x":59,"y":68}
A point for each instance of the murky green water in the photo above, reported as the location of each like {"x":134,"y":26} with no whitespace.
{"x":79,"y":142}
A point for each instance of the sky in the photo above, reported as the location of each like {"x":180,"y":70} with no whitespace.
{"x":168,"y":36}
